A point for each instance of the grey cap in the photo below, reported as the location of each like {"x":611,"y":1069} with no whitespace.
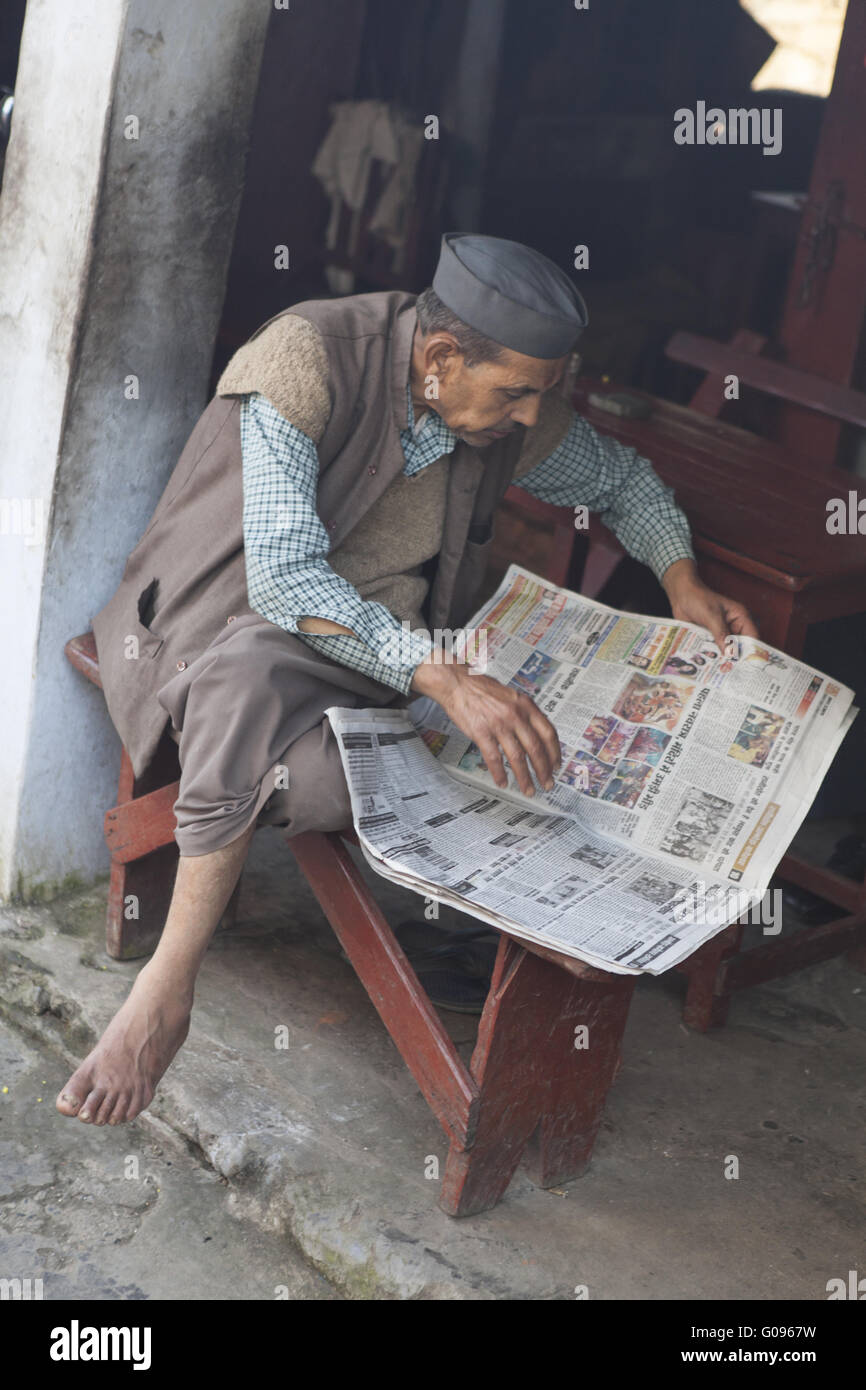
{"x":510,"y":293}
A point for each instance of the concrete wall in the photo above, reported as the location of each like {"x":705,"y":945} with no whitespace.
{"x":114,"y":261}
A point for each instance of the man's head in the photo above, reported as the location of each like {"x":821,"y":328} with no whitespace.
{"x":484,"y":389}
{"x":495,"y":331}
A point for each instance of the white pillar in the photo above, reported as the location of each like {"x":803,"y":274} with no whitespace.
{"x":113,"y":265}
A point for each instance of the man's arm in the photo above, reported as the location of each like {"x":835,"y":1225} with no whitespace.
{"x":598,"y":472}
{"x":289,"y":581}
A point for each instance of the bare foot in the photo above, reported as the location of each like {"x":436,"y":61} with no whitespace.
{"x":116,"y":1081}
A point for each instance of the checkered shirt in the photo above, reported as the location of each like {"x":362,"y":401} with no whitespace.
{"x":286,"y":543}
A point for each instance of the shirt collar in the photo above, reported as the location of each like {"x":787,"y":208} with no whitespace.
{"x":430,"y":421}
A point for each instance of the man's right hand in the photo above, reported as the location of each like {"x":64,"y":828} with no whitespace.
{"x":498,"y":718}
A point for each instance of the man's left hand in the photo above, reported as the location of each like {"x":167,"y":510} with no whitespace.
{"x":692,"y":602}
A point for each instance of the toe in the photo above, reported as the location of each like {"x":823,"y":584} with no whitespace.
{"x":90,"y":1108}
{"x":139,"y":1101}
{"x":77,"y":1089}
{"x":118,"y":1114}
{"x":106,"y":1107}
{"x":70,"y":1100}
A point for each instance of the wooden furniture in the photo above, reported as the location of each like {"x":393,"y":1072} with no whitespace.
{"x":741,"y":358}
{"x":139,"y":832}
{"x":818,"y":348}
{"x":822,"y":322}
{"x":529,"y":1088}
{"x":758,"y":517}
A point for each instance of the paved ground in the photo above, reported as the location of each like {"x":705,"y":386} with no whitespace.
{"x":315,"y":1157}
{"x":108,"y":1214}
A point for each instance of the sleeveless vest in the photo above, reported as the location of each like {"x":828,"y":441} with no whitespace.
{"x":186,"y":577}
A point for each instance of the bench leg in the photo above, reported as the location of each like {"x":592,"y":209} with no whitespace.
{"x":529,"y":1072}
{"x":707,"y":1002}
{"x":139,"y":894}
{"x":139,"y":891}
{"x":580,"y":1080}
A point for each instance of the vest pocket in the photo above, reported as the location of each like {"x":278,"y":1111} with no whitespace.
{"x":148,"y":640}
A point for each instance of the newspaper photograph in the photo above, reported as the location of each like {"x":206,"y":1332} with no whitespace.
{"x":686,"y":771}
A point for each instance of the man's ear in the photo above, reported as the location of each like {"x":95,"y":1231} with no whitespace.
{"x":441,"y":356}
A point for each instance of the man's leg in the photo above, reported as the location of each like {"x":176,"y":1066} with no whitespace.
{"x":118,"y":1078}
{"x":239,"y":709}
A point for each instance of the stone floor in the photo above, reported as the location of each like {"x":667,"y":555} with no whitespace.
{"x":305,"y":1169}
{"x":108,"y":1214}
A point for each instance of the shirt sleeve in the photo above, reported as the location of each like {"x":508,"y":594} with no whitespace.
{"x":286,"y":545}
{"x":598,"y":472}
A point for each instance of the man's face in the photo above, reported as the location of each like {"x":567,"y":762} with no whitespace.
{"x":488,"y":401}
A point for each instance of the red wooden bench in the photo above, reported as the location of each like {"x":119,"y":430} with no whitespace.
{"x":758,"y":515}
{"x":527,"y":1087}
{"x":741,"y":357}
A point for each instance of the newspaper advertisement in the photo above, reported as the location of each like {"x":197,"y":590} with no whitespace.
{"x":686,"y":771}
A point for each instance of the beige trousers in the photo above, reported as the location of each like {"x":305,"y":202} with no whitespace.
{"x":248,"y":716}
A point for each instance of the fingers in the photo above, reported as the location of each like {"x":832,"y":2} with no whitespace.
{"x":718,"y":625}
{"x":519,"y":742}
{"x":743,"y":623}
{"x":489,"y":750}
{"x":515,"y":743}
{"x":730,"y":617}
{"x":737,"y":619}
{"x":548,"y":735}
{"x":538,"y":738}
{"x":540,"y":754}
{"x":522,"y":745}
{"x":517,"y":762}
{"x":501,"y":720}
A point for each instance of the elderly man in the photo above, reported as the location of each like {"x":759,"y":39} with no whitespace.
{"x":341,"y":483}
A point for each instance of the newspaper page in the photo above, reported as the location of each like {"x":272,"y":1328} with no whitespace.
{"x":685,"y":773}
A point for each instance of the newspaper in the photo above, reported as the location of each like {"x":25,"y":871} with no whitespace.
{"x":686,"y":771}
